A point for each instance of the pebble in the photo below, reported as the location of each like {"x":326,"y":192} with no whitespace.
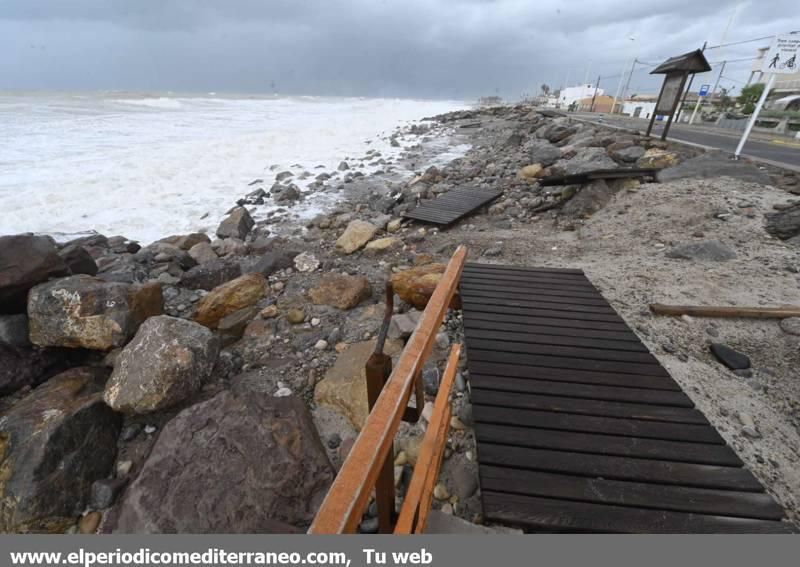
{"x":712,"y":332}
{"x":457,"y":424}
{"x":368,"y":526}
{"x":427,"y":411}
{"x":278,"y":286}
{"x":440,"y":492}
{"x":447,"y":508}
{"x":130,"y":431}
{"x":791,"y":326}
{"x":400,"y":459}
{"x":321,"y":344}
{"x":150,"y":429}
{"x":124,"y":467}
{"x":315,"y":321}
{"x":283,"y":392}
{"x":89,"y":523}
{"x":295,"y":316}
{"x":334,"y":441}
{"x":269,"y":312}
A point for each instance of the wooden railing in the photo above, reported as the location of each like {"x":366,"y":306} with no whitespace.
{"x":349,"y":495}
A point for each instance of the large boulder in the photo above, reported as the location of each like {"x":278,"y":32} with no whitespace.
{"x":53,"y":445}
{"x":86,"y":312}
{"x":784,"y":224}
{"x":341,"y":291}
{"x":223,"y":300}
{"x":586,"y":159}
{"x":344,"y":387}
{"x":355,"y":236}
{"x":416,"y":285}
{"x":167,"y":361}
{"x":708,"y":250}
{"x":236,"y":225}
{"x":78,"y":260}
{"x":544,"y":153}
{"x":625,"y":152}
{"x":211,"y":274}
{"x":26,"y":260}
{"x":186,"y":241}
{"x":589,"y":199}
{"x":241,"y":462}
{"x":14,"y":330}
{"x":272,"y":262}
{"x":21,"y":366}
{"x":658,"y":159}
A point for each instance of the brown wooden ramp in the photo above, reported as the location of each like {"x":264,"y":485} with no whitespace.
{"x":451,"y":206}
{"x":578,"y":426}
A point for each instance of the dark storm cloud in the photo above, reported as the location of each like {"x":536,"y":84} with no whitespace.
{"x":439,"y":48}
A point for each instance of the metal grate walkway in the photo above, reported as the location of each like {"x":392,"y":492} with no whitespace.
{"x":578,"y":426}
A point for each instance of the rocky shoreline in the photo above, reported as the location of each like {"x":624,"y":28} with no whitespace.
{"x":198,"y":385}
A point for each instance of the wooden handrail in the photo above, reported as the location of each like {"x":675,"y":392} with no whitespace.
{"x":344,"y":505}
{"x":426,"y":471}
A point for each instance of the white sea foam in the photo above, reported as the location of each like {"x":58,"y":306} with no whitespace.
{"x":150,"y":166}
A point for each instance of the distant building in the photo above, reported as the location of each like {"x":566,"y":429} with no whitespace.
{"x":641,"y":106}
{"x":574,"y":94}
{"x":602,"y":103}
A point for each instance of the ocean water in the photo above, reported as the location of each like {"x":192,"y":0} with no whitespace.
{"x":147,"y":166}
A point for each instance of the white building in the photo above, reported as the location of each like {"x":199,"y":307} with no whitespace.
{"x":574,"y":94}
{"x":642,"y":106}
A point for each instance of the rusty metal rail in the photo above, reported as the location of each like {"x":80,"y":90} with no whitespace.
{"x":348,"y":497}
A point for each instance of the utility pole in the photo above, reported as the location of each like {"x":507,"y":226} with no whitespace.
{"x":628,"y":83}
{"x":621,"y":78}
{"x":597,"y":85}
{"x":711,"y":95}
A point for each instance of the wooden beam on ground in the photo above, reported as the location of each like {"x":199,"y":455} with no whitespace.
{"x":726,"y":312}
{"x":344,"y":505}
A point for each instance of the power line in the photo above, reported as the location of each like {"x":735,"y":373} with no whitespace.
{"x":739,"y":42}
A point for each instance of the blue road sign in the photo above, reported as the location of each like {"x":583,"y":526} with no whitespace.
{"x":704,"y":90}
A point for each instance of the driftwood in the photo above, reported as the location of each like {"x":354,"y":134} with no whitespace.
{"x":717,"y":311}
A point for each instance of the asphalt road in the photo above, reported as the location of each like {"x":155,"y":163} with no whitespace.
{"x":784,"y":151}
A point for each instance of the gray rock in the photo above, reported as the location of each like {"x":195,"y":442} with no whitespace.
{"x":167,"y":361}
{"x":707,"y":250}
{"x":105,"y":492}
{"x":56,"y":442}
{"x":271,"y":262}
{"x":628,"y":154}
{"x":237,"y":225}
{"x":86,"y":312}
{"x":464,"y":481}
{"x":791,"y":326}
{"x":14,"y":330}
{"x":26,"y":260}
{"x":784,"y":224}
{"x":589,"y":199}
{"x":584,"y":160}
{"x":241,"y":462}
{"x":430,"y":379}
{"x":729,"y":357}
{"x":20,"y":367}
{"x":714,"y":164}
{"x":402,"y":325}
{"x":211,"y":274}
{"x":203,"y":253}
{"x":544,"y":153}
{"x":78,"y":260}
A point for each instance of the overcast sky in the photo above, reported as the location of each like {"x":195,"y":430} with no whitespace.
{"x":420,"y":48}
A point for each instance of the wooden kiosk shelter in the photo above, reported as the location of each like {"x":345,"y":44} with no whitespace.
{"x":675,"y":70}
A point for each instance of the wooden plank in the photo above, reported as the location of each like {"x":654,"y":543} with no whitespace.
{"x":530,"y":287}
{"x":635,"y":494}
{"x":600,"y":444}
{"x":726,"y":311}
{"x":472,"y":266}
{"x":552,"y":514}
{"x":539,"y":303}
{"x":532,"y":278}
{"x":591,"y":424}
{"x":578,"y":352}
{"x":473,"y":324}
{"x":485,"y":292}
{"x":620,"y":468}
{"x":573,"y":376}
{"x":346,"y":500}
{"x":425,"y":475}
{"x":549,"y":313}
{"x":563,"y":339}
{"x":587,"y":391}
{"x":588,"y":407}
{"x":543,"y":321}
{"x":451,"y":206}
{"x":567,"y":362}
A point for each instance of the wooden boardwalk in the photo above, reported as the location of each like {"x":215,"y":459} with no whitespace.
{"x":578,"y":426}
{"x":451,"y":206}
